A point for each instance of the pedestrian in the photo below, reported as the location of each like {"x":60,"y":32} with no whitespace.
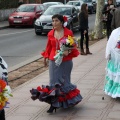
{"x":3,"y":76}
{"x":112,"y":81}
{"x":116,"y":19}
{"x":20,"y":2}
{"x":60,"y":92}
{"x":108,"y":12}
{"x":83,"y":21}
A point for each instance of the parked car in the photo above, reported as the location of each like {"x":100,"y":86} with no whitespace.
{"x":117,"y":3}
{"x":26,"y":14}
{"x":106,"y":2}
{"x":48,"y":4}
{"x":44,"y":22}
{"x":75,"y":3}
{"x":91,"y":5}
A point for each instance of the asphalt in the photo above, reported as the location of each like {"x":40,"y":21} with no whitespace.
{"x":88,"y":74}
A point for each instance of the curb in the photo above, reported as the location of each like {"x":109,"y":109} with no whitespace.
{"x":4,"y":27}
{"x":32,"y":59}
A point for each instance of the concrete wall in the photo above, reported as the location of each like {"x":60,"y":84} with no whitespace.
{"x":4,"y":14}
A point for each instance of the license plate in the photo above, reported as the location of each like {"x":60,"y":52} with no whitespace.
{"x":17,"y":21}
{"x":47,"y":27}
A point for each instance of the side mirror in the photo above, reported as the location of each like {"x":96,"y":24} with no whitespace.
{"x":93,"y":3}
{"x":39,"y":13}
{"x":74,"y":14}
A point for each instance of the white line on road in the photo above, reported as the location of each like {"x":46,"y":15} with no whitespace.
{"x":16,"y":33}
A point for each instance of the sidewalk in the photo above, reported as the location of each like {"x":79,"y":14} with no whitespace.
{"x":4,"y":24}
{"x":88,"y":74}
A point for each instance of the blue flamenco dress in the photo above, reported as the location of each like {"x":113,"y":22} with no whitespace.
{"x":60,"y":92}
{"x":112,"y":78}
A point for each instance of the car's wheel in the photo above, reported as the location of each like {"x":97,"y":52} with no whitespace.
{"x":33,"y":25}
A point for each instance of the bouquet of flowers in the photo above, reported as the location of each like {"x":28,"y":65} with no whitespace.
{"x":5,"y":93}
{"x":65,"y":44}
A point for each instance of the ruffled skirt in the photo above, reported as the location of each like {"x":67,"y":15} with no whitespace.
{"x":112,"y":79}
{"x":60,"y":92}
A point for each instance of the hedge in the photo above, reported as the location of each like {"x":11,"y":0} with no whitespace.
{"x":5,"y":4}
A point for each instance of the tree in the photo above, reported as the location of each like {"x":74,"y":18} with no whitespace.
{"x":114,"y":1}
{"x":98,"y":21}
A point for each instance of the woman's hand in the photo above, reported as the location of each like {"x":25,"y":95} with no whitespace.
{"x":65,"y":53}
{"x":85,"y":31}
{"x":45,"y":62}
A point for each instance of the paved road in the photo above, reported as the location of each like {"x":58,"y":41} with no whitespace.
{"x":20,"y":44}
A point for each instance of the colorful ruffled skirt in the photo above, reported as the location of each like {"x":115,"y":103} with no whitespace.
{"x":112,"y":79}
{"x":60,"y":92}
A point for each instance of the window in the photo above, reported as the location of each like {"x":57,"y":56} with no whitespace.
{"x":38,"y":8}
{"x":42,"y":8}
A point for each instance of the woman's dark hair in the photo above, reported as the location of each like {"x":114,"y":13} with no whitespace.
{"x":110,"y":0}
{"x":60,"y":17}
{"x":84,"y":10}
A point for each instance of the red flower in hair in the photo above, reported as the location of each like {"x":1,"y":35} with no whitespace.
{"x":65,"y":18}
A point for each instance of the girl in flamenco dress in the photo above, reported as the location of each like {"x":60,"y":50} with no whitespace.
{"x":60,"y":92}
{"x":112,"y":82}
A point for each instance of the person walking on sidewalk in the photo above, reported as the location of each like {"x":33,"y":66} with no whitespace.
{"x":116,"y":19}
{"x":112,"y":82}
{"x":20,"y":2}
{"x":60,"y":92}
{"x":108,"y":12}
{"x":83,"y":21}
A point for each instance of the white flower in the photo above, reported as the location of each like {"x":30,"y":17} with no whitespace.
{"x":67,"y":41}
{"x":7,"y":92}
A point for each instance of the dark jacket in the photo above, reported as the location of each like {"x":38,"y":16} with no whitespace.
{"x":83,"y":21}
{"x":20,"y":3}
{"x":116,"y":19}
{"x":108,"y":14}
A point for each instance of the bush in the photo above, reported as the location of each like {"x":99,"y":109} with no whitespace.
{"x":6,"y":4}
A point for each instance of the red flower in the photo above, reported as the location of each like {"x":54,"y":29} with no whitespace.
{"x":2,"y":84}
{"x":1,"y":107}
{"x":65,"y":18}
{"x":118,"y":44}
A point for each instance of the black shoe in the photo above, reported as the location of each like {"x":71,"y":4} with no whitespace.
{"x":2,"y":114}
{"x":51,"y":109}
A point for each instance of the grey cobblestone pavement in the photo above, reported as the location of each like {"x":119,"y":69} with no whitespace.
{"x":88,"y":74}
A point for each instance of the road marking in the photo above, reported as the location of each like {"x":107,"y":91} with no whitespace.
{"x":16,"y":33}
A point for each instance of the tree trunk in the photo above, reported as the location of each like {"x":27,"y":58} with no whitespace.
{"x":114,"y":2}
{"x":98,"y":21}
